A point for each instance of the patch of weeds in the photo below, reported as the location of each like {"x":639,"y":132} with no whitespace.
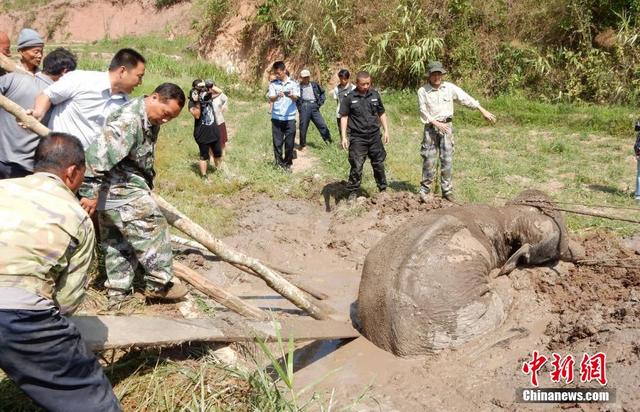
{"x":204,"y":306}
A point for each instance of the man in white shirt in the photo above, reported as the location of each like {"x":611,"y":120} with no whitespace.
{"x":435,"y":101}
{"x":82,"y":100}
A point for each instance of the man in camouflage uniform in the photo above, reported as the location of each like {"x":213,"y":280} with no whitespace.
{"x":435,"y":102}
{"x":46,"y":248}
{"x":120,"y":175}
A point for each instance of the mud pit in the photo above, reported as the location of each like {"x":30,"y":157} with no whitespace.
{"x":561,"y":308}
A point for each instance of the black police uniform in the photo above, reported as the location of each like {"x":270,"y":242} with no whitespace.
{"x":365,"y":140}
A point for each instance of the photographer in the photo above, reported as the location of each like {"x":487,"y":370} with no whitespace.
{"x":205,"y":130}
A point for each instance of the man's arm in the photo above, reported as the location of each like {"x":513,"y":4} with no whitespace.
{"x":194,"y":109}
{"x":344,"y":111}
{"x":383,"y":121}
{"x":273,"y":96}
{"x":41,"y":106}
{"x":65,"y":88}
{"x":224,"y":99}
{"x":72,"y":282}
{"x":344,"y":121}
{"x":382,"y":115}
{"x":321,"y":95}
{"x":465,"y":99}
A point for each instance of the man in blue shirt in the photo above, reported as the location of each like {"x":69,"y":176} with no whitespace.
{"x":283,"y":92}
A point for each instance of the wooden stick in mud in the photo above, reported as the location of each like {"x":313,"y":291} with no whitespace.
{"x":296,"y":282}
{"x":323,"y":306}
{"x":218,"y":294}
{"x":11,"y":67}
{"x":187,"y":226}
{"x":273,"y":279}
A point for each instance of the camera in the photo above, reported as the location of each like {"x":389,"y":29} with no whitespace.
{"x":202,"y":91}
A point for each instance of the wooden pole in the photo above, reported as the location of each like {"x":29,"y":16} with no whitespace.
{"x":22,"y":116}
{"x":187,"y":226}
{"x":273,"y":279}
{"x":324,"y":307}
{"x":296,"y":282}
{"x":218,"y":294}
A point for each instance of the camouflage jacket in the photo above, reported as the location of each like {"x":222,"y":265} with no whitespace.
{"x":46,"y":239}
{"x":120,"y":160}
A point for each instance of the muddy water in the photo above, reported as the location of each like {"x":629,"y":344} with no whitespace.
{"x":328,"y":249}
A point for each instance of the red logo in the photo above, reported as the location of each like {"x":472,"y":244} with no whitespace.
{"x":592,"y":368}
{"x":562,"y":368}
{"x":533,"y":367}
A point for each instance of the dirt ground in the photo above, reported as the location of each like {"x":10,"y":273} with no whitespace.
{"x":90,"y":20}
{"x":562,"y":308}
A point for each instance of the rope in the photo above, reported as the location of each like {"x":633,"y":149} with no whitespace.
{"x":548,"y":205}
{"x":587,"y":204}
{"x":605,"y":262}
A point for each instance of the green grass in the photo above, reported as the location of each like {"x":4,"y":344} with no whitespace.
{"x":578,"y":153}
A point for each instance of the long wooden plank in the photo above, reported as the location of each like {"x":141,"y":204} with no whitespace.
{"x":112,"y":332}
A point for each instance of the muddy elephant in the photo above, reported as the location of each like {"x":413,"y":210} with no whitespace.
{"x":426,"y":286}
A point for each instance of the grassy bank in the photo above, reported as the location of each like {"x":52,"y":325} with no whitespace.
{"x":579,"y":153}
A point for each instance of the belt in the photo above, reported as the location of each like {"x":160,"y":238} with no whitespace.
{"x":308,"y":101}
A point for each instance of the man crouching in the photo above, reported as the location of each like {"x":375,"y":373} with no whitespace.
{"x":120,"y":172}
{"x":46,"y":248}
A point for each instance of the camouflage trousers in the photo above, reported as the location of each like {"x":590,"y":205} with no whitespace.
{"x":436,"y":144}
{"x":135,"y":236}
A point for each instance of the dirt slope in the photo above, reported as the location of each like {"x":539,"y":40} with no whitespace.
{"x":89,"y":20}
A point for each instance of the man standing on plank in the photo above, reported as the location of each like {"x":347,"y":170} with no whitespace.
{"x":46,"y":249}
{"x":362,"y":113}
{"x":435,"y":102}
{"x":120,"y":173}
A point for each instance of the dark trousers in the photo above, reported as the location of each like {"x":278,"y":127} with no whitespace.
{"x":361,"y":147}
{"x":12,"y":170}
{"x":310,"y":112}
{"x":284,"y":133}
{"x":43,"y":353}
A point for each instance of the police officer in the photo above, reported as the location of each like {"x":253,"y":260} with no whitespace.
{"x":46,"y":249}
{"x":120,"y":173}
{"x":362,"y":112}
